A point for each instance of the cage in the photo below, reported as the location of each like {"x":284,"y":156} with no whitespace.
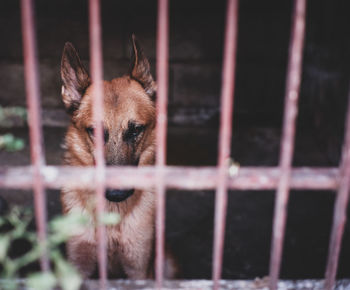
{"x":223,"y":173}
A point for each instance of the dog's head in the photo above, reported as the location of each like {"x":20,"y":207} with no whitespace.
{"x":129,"y":114}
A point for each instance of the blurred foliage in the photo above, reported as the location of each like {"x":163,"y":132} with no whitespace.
{"x":14,"y":226}
{"x":10,"y":143}
{"x":12,"y":116}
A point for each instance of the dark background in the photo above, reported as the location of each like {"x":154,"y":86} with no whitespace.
{"x":196,"y":44}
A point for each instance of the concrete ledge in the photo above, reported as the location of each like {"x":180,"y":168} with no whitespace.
{"x":224,"y":284}
{"x":206,"y":284}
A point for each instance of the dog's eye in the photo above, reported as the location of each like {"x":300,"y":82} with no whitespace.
{"x":137,"y":129}
{"x":133,"y":131}
{"x":90,"y":131}
{"x":105,"y":135}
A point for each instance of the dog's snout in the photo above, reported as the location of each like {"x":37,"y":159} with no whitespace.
{"x":118,"y":195}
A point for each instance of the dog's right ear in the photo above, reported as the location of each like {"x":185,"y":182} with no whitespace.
{"x":75,"y":78}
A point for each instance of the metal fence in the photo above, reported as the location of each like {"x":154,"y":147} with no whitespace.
{"x":39,"y":176}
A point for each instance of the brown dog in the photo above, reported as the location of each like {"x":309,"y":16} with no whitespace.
{"x":129,"y":123}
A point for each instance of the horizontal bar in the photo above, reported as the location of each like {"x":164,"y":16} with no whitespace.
{"x":188,"y":178}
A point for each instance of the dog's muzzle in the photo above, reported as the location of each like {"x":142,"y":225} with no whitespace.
{"x":118,"y":195}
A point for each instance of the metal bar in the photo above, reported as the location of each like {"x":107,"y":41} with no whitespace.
{"x":161,"y":132}
{"x":228,"y":81}
{"x":98,"y":104}
{"x":190,"y":178}
{"x":287,"y":144}
{"x":34,"y":121}
{"x":341,"y":204}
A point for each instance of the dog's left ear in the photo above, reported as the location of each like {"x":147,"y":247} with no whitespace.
{"x":140,"y":69}
{"x":75,"y":78}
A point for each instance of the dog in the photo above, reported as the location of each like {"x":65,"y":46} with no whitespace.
{"x":129,"y":136}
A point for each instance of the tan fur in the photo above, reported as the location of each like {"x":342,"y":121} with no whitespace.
{"x":128,"y":98}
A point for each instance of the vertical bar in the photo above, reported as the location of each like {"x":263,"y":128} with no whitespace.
{"x":34,"y":121}
{"x":161,"y":129}
{"x":96,"y":75}
{"x":287,"y":144}
{"x":228,"y":83}
{"x":341,"y":204}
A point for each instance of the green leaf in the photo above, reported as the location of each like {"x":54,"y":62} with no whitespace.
{"x":29,"y":257}
{"x":110,"y":218}
{"x":4,"y":245}
{"x":68,"y":276}
{"x":9,"y":284}
{"x":10,"y":143}
{"x":41,"y":281}
{"x":6,"y":139}
{"x":65,"y":226}
{"x":17,"y":145}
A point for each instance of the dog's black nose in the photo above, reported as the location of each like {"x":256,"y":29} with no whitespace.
{"x":117,"y":195}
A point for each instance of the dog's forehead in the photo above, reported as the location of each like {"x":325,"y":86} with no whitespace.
{"x":124,"y":90}
{"x":124,"y":100}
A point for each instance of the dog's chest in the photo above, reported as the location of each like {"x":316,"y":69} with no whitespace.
{"x":129,"y":232}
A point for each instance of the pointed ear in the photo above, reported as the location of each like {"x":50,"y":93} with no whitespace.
{"x":75,"y":78}
{"x":140,"y":68}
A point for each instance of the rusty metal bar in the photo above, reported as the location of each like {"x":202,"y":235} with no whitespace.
{"x":97,"y":75}
{"x":287,"y":144}
{"x":34,"y":121}
{"x":161,"y":132}
{"x":342,"y":199}
{"x":228,"y":81}
{"x":190,"y":178}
